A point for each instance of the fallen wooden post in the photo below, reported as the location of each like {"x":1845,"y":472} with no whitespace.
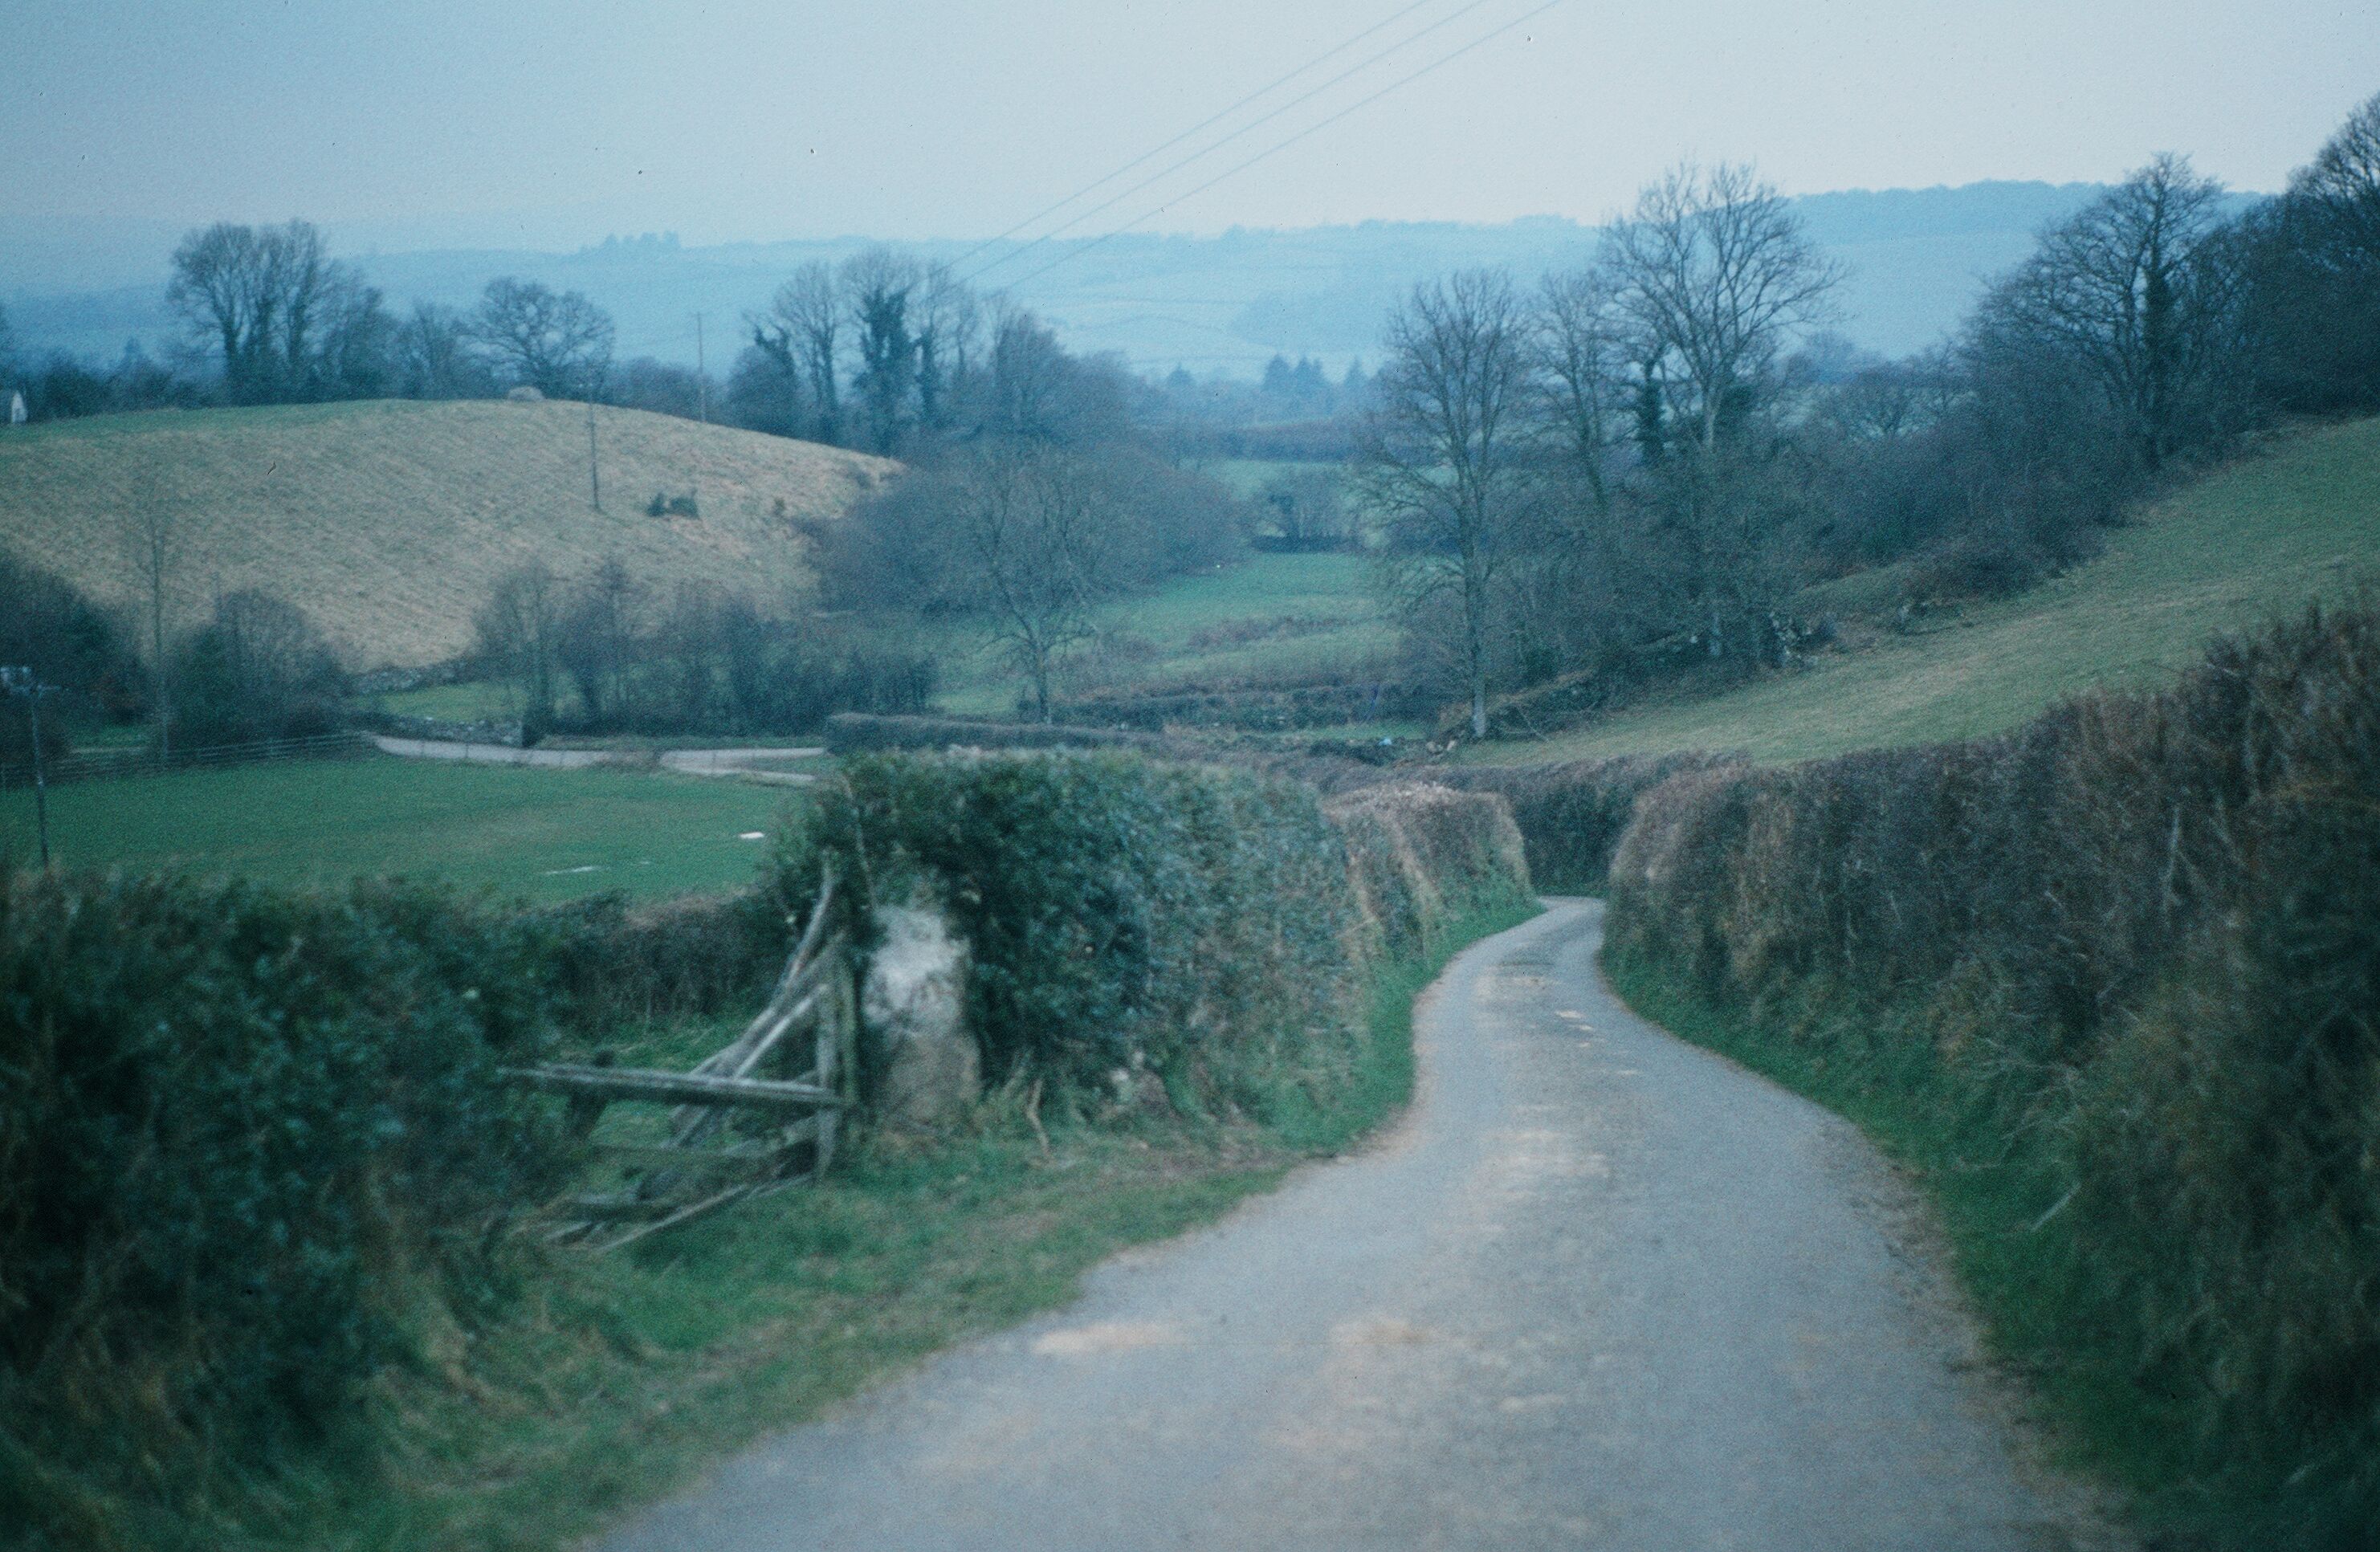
{"x":674,"y":1088}
{"x":815,"y":994}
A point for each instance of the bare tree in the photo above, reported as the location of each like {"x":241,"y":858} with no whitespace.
{"x":948,"y":322}
{"x":2140,"y":288}
{"x":2343,"y":181}
{"x":1444,"y":460}
{"x":433,"y":355}
{"x":154,"y":544}
{"x":520,"y":630}
{"x":265,"y":300}
{"x":600,"y":637}
{"x":1714,"y":272}
{"x":1308,"y":509}
{"x":1037,"y":534}
{"x":880,"y":288}
{"x":803,"y":331}
{"x":2313,"y":301}
{"x":1583,"y":351}
{"x":556,"y":342}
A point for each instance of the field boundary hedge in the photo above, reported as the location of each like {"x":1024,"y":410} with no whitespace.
{"x":1202,"y":922}
{"x":2118,"y":971}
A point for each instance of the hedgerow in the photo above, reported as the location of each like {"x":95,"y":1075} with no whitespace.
{"x":1421,"y":857}
{"x":1573,"y":813}
{"x":1205,"y":922}
{"x":246,"y":1139}
{"x":2130,"y":956}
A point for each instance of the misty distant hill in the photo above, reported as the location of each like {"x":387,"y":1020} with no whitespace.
{"x":1223,"y":303}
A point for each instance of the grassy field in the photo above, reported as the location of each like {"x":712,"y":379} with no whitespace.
{"x":387,"y":521}
{"x":2299,"y":520}
{"x":539,"y":835}
{"x":626,"y":1376}
{"x":1322,"y":614}
{"x":1246,"y":476}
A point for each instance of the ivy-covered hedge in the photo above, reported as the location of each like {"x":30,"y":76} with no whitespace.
{"x":2130,"y":955}
{"x":1572,"y":813}
{"x":1119,"y":912}
{"x":245,"y":1137}
{"x":1210,"y":923}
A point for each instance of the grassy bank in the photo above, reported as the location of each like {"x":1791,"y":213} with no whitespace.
{"x":2110,"y":983}
{"x":627,"y":1375}
{"x":2103,"y":1422}
{"x":539,"y":835}
{"x":2299,"y":520}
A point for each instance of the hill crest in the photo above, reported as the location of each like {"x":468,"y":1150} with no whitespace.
{"x":387,"y":521}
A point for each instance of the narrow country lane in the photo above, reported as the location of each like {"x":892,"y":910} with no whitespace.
{"x":750,"y":765}
{"x":1599,"y":1290}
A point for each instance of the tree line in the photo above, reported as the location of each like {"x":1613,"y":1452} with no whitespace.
{"x":1632,"y":467}
{"x":266,"y":316}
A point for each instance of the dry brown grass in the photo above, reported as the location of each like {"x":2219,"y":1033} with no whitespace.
{"x":387,"y":521}
{"x":1420,"y":857}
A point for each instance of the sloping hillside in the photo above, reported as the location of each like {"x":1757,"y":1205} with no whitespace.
{"x":2297,"y":521}
{"x":388,"y":520}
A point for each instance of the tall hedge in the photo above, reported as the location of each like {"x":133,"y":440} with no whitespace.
{"x":1572,"y":813}
{"x":1422,"y":855}
{"x":241,"y":1133}
{"x":2141,"y":935}
{"x":1123,"y":911}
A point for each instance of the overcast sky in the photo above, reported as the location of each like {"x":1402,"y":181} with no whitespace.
{"x":554,"y":124}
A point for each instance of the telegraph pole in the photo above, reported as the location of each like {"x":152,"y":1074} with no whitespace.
{"x":23,"y":683}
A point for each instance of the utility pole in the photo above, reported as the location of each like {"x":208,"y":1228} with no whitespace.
{"x":22,"y":681}
{"x":701,"y":376}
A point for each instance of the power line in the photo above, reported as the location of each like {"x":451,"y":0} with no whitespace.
{"x":1283,"y":145}
{"x":1258,"y":123}
{"x":1203,"y":124}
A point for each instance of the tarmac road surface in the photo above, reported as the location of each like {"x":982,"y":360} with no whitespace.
{"x":1598,"y":1290}
{"x":747,"y":764}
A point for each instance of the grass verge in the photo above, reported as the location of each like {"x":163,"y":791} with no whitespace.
{"x":627,"y":1375}
{"x":2258,"y":536}
{"x":2025,"y":1277}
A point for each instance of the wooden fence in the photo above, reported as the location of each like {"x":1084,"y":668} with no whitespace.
{"x":103,"y":764}
{"x":741,"y":1122}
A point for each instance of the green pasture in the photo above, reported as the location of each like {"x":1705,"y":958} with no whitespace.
{"x":2299,"y":520}
{"x":540,"y":834}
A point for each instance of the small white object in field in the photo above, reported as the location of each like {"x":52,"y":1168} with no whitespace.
{"x":754,"y":835}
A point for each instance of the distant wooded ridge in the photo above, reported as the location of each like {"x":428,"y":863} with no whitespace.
{"x":1222,"y":304}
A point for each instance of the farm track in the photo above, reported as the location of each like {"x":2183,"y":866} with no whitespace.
{"x":751,"y":765}
{"x":1600,"y":1289}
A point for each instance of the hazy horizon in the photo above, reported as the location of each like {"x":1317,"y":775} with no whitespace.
{"x":428,"y":124}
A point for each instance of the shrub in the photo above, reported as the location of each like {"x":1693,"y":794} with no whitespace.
{"x":2140,"y":938}
{"x":258,"y":669}
{"x":1120,"y":913}
{"x":613,"y":960}
{"x":249,"y":1141}
{"x":69,"y":641}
